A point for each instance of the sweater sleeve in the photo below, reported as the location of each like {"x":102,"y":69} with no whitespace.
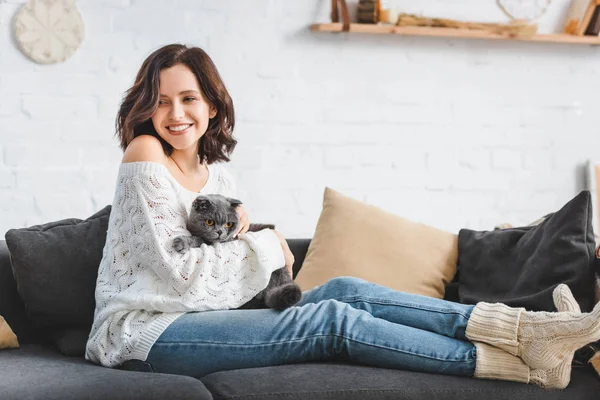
{"x":220,"y":276}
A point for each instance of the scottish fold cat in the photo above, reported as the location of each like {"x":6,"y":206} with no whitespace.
{"x":213,"y":219}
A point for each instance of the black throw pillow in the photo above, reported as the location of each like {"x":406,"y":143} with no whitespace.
{"x":521,"y":266}
{"x":55,"y":267}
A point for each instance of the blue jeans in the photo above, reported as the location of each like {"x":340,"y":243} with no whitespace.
{"x":346,"y":319}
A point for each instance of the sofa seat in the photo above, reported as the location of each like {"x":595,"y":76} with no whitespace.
{"x":36,"y":371}
{"x":327,"y":381}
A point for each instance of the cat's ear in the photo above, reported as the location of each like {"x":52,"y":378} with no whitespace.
{"x":234,"y":202}
{"x":201,"y":204}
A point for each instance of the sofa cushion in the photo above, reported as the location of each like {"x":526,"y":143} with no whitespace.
{"x":522,"y":266}
{"x":11,"y":304}
{"x":364,"y":241}
{"x":8,"y":339}
{"x":326,"y":381}
{"x":298,"y":247}
{"x":55,"y":266}
{"x":36,"y":372}
{"x":70,"y":342}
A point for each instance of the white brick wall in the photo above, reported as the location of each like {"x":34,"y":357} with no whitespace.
{"x":453,"y":133}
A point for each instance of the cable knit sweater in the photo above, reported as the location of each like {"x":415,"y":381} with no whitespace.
{"x":143,"y":285}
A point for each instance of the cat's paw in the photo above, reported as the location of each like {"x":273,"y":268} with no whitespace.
{"x":180,"y":244}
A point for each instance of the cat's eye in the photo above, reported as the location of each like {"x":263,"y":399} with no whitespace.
{"x":209,"y":222}
{"x":228,"y":225}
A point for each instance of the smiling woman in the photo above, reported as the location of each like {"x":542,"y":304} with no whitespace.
{"x":182,"y":116}
{"x":175,"y":87}
{"x":176,"y":128}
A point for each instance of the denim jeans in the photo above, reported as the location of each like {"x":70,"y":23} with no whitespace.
{"x":345,"y":319}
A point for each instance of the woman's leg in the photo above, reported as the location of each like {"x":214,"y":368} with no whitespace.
{"x":421,"y":312}
{"x":200,"y":343}
{"x":542,"y":339}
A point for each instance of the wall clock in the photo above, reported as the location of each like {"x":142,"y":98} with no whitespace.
{"x":49,"y":31}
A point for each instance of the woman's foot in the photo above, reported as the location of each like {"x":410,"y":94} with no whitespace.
{"x":542,"y":339}
{"x":548,"y":339}
{"x":495,"y":363}
{"x":559,"y":377}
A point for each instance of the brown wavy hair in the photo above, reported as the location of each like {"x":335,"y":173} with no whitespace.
{"x":141,"y":101}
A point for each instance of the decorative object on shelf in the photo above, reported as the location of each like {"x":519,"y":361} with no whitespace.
{"x":49,"y":31}
{"x":527,"y":10}
{"x":335,"y":13}
{"x":520,"y":29}
{"x":580,"y":16}
{"x":368,"y":11}
{"x":593,"y":28}
{"x":387,"y":12}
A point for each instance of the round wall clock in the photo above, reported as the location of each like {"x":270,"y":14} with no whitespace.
{"x":49,"y":31}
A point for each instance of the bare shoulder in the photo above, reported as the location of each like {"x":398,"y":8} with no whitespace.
{"x":144,"y":148}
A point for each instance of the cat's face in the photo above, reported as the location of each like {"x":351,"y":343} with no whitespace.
{"x":213,"y":218}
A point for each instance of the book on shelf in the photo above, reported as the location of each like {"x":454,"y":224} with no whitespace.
{"x":579,"y":16}
{"x":593,"y":28}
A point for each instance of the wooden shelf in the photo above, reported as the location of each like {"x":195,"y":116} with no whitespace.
{"x":451,"y":33}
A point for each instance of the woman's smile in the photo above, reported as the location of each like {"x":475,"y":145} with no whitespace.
{"x":179,"y":129}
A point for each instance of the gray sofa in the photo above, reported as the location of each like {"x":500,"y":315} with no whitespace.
{"x":37,"y":370}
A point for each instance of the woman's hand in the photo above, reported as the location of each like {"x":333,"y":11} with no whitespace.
{"x":287,"y":253}
{"x":244,"y":223}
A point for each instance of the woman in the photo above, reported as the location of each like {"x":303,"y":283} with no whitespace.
{"x":175,"y":311}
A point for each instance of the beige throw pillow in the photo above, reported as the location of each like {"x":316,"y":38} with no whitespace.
{"x":7,"y":337}
{"x":360,"y":240}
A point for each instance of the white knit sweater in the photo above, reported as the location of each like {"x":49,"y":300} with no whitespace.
{"x":143,"y":285}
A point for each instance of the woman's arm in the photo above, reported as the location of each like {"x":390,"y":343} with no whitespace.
{"x":148,"y":218}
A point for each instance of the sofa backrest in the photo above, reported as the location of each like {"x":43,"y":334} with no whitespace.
{"x":13,"y":309}
{"x":11,"y":305}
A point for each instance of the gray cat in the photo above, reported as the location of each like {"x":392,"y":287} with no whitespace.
{"x":213,"y":219}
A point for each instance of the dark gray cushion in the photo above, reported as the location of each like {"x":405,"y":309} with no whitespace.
{"x":55,"y":266}
{"x":316,"y":381}
{"x":11,"y":305}
{"x":522,"y":266}
{"x":70,"y":342}
{"x":298,"y":247}
{"x":36,"y":372}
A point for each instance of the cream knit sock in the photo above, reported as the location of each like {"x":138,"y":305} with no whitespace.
{"x":542,"y":339}
{"x":564,"y":300}
{"x":494,"y":363}
{"x":559,"y":377}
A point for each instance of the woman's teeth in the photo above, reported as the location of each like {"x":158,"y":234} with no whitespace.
{"x":178,"y":128}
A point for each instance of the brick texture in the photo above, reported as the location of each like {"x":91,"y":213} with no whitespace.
{"x":453,"y":133}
